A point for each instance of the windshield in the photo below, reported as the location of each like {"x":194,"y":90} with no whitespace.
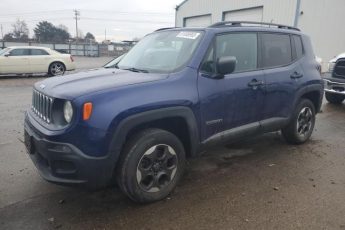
{"x":162,"y":52}
{"x":2,"y":52}
{"x":113,"y":63}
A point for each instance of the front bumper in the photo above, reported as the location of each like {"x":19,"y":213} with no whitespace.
{"x":332,"y":86}
{"x":63,"y":163}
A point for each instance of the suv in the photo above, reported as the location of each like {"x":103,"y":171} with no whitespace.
{"x":177,"y":92}
{"x":335,"y":84}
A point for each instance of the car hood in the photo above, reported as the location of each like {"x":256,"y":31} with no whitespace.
{"x":342,"y":55}
{"x":91,"y":81}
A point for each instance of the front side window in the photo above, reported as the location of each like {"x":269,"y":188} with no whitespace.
{"x":19,"y":52}
{"x":208,"y":65}
{"x":38,"y":52}
{"x":242,"y":46}
{"x":276,"y":50}
{"x":162,"y":52}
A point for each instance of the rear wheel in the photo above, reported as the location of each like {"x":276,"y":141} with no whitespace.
{"x":302,"y":123}
{"x":151,"y":165}
{"x":56,"y":69}
{"x":334,"y":98}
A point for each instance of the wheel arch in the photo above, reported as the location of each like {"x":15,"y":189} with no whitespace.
{"x":312,"y":92}
{"x":177,"y":120}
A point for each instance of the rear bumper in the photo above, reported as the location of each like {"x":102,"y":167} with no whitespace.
{"x":63,"y":163}
{"x":332,"y":86}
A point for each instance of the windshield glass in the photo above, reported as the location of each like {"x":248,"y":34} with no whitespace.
{"x":162,"y":52}
{"x":2,"y":52}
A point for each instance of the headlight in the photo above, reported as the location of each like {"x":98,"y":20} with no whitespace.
{"x":68,"y":111}
{"x":331,"y":66}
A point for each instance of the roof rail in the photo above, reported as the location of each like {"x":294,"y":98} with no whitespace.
{"x":239,"y":23}
{"x":165,"y":28}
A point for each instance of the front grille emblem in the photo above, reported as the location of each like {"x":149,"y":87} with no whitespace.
{"x":42,"y":86}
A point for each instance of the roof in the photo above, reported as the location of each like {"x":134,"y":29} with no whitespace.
{"x":178,"y":6}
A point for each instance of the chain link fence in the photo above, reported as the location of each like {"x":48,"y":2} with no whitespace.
{"x":90,"y":49}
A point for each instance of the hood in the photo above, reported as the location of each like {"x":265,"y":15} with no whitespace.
{"x":82,"y":83}
{"x":342,"y":55}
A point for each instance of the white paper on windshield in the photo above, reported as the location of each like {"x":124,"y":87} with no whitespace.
{"x":188,"y":35}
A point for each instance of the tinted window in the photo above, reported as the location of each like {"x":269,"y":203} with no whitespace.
{"x":208,"y":65}
{"x":298,"y":46}
{"x":276,"y":50}
{"x":38,"y":52}
{"x":19,"y":52}
{"x":242,"y":46}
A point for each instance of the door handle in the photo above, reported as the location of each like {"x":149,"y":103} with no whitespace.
{"x":296,"y":75}
{"x":255,"y":83}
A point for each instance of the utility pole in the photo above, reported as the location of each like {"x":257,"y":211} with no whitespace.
{"x":76,"y":17}
{"x":2,"y":33}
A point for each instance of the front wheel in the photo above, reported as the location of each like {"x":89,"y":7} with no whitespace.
{"x":56,"y":69}
{"x":151,"y":165}
{"x":302,"y":123}
{"x":334,"y":98}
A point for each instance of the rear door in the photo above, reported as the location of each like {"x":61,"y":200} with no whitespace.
{"x":16,"y":62}
{"x":39,"y":60}
{"x":282,"y":73}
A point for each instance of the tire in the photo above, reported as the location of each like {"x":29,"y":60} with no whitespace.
{"x":56,"y":69}
{"x":302,"y":123}
{"x":151,"y":165}
{"x":334,"y":98}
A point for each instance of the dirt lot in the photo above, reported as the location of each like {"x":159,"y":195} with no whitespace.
{"x":261,"y":183}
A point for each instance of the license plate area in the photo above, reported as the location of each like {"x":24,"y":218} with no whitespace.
{"x":28,"y":143}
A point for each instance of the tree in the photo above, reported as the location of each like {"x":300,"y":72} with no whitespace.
{"x":20,"y":30}
{"x":47,"y":32}
{"x":89,"y":36}
{"x":9,"y":37}
{"x":63,"y":27}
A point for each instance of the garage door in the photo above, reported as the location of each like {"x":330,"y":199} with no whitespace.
{"x":252,"y":14}
{"x":198,"y":21}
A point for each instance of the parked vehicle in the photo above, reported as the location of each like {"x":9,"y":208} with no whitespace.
{"x":332,"y":62}
{"x":335,"y":83}
{"x":32,"y":59}
{"x":177,"y":92}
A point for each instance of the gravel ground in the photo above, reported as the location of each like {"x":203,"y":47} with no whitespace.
{"x":260,"y":183}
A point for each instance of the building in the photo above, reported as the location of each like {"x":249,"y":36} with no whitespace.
{"x":320,"y":19}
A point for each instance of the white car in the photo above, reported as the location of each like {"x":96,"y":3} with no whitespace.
{"x":332,"y":62}
{"x":31,"y":59}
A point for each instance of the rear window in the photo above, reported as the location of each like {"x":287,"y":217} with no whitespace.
{"x":38,"y":52}
{"x":298,"y":46}
{"x":276,"y":50}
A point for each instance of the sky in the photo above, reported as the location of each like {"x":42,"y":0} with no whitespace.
{"x":118,"y":19}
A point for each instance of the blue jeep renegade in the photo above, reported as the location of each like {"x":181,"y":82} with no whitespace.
{"x":175,"y":93}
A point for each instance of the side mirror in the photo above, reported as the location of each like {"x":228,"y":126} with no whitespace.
{"x":226,"y":65}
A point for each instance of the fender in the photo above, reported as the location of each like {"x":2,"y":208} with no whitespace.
{"x":307,"y":89}
{"x":126,"y":125}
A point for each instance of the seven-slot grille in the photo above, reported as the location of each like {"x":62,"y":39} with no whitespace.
{"x":42,"y":106}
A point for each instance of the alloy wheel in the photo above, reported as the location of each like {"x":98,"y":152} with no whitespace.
{"x":157,"y":168}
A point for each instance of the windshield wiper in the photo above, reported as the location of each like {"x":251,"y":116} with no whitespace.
{"x":137,"y":70}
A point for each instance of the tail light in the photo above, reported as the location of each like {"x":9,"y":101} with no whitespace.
{"x":71,"y":57}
